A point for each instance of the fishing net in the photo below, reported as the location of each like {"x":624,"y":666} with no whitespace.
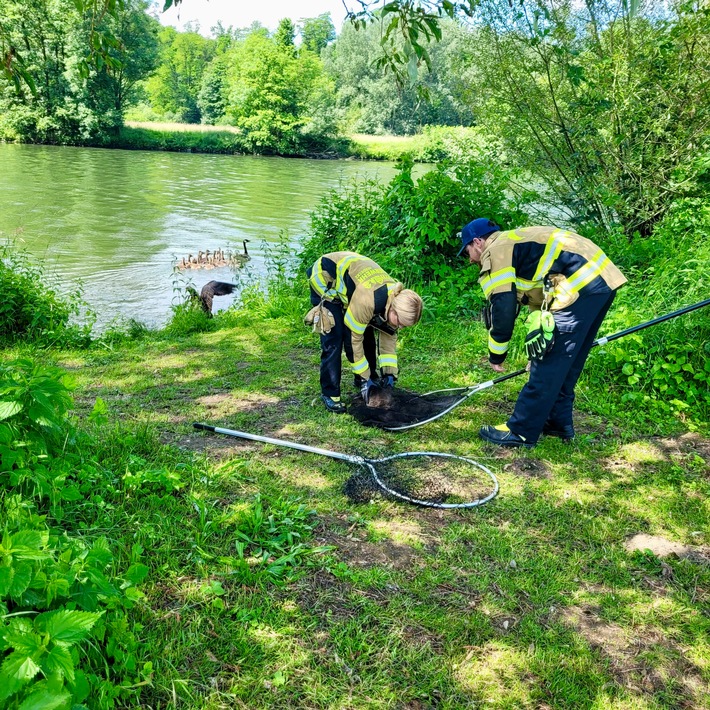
{"x":425,"y":478}
{"x":395,"y":407}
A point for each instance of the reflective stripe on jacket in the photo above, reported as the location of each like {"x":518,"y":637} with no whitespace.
{"x":366,"y":291}
{"x":515,"y":263}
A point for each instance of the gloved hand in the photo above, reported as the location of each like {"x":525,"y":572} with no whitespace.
{"x":366,"y":388}
{"x":387,"y":381}
{"x":541,"y":334}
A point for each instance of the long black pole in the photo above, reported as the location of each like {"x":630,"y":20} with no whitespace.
{"x":648,"y":324}
{"x":614,"y":336}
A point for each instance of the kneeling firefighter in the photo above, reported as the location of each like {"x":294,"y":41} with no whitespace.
{"x":352,"y":297}
{"x":568,"y":284}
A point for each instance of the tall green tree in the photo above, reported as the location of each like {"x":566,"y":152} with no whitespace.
{"x":317,"y":32}
{"x":285,"y":35}
{"x":63,"y":98}
{"x":372,"y":100}
{"x":270,"y":91}
{"x":175,"y":86}
{"x":604,"y":104}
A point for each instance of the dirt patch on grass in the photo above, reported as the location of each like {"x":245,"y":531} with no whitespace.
{"x":528,"y":468}
{"x":643,"y":662}
{"x":323,"y":594}
{"x":690,"y":443}
{"x":361,"y":553}
{"x":661,"y":547}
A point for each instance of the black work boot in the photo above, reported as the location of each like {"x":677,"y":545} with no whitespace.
{"x":502,"y":436}
{"x":333,"y":404}
{"x":561,"y":431}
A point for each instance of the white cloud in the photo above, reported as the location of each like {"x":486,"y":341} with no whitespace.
{"x":239,"y":13}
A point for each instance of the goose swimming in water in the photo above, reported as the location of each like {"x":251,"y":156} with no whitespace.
{"x":208,"y":292}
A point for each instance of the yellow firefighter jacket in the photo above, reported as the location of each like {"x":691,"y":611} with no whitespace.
{"x":366,"y":292}
{"x":515,"y":263}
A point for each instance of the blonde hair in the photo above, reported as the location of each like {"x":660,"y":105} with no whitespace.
{"x":408,"y":306}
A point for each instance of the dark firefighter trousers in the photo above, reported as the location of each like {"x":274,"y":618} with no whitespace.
{"x":332,"y":344}
{"x":548,"y":396}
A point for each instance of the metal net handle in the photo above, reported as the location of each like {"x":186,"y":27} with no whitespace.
{"x":370,"y":463}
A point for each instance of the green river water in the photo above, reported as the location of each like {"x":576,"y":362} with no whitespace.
{"x":117,"y":221}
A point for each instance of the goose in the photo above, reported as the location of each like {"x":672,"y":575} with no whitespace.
{"x":208,"y":292}
{"x":240,"y":258}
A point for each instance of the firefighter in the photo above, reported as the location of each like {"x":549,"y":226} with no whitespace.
{"x":353,"y":297}
{"x":568,"y":284}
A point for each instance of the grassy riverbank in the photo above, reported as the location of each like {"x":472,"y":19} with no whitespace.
{"x":432,"y":145}
{"x":267,"y":587}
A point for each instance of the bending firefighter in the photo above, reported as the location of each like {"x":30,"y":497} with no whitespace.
{"x":568,"y":284}
{"x":352,"y":298}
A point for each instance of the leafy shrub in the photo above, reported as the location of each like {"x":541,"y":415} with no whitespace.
{"x":33,"y":401}
{"x":665,"y":368}
{"x":62,"y":616}
{"x":409,"y":228}
{"x":64,"y":635}
{"x":30,"y":310}
{"x":271,"y":540}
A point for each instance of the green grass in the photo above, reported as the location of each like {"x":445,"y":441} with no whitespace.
{"x":529,"y":602}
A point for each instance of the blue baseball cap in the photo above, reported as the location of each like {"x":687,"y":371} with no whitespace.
{"x":477,"y":229}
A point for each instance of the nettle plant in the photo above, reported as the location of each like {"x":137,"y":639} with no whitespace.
{"x":64,"y":634}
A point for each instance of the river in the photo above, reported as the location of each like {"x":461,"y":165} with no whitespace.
{"x":116,"y":222}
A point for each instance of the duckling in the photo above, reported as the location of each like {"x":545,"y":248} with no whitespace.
{"x":208,"y":292}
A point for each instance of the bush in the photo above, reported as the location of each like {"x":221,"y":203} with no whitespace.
{"x":409,"y":228}
{"x":665,"y":368}
{"x":63,"y":630}
{"x":30,"y":310}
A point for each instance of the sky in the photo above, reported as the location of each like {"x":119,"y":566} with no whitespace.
{"x":242,"y":13}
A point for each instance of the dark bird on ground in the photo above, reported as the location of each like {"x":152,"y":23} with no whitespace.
{"x":208,"y":292}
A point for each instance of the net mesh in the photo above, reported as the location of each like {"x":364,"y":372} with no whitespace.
{"x":391,"y":408}
{"x":423,"y":477}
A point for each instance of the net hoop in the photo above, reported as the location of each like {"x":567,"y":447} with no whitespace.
{"x":370,"y":463}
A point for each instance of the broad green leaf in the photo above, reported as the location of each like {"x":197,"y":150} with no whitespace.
{"x":21,"y":578}
{"x":80,"y":686}
{"x":59,"y":660}
{"x":66,"y":626}
{"x":136,"y":573}
{"x":44,"y":699}
{"x":17,"y":669}
{"x":8,"y":409}
{"x":26,"y":543}
{"x":5,"y":581}
{"x":21,"y":636}
{"x":100,"y":554}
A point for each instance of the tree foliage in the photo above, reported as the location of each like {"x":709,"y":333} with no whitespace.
{"x":175,"y":87}
{"x":317,"y":32}
{"x":370,"y":100}
{"x":63,"y":97}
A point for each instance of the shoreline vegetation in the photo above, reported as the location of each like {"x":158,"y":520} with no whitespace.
{"x":433,"y":144}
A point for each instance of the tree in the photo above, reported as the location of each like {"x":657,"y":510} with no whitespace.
{"x":270,"y":91}
{"x":285,"y":35}
{"x":317,"y":32}
{"x":373,"y":101}
{"x":61,"y":97}
{"x":175,"y":86}
{"x":135,"y":58}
